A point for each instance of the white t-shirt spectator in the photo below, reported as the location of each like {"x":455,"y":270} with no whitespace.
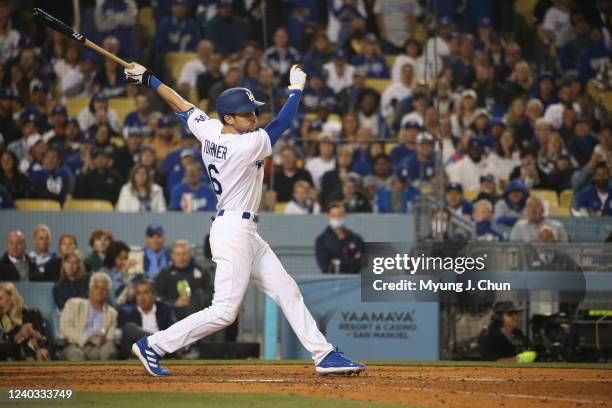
{"x":129,"y":201}
{"x":69,"y":77}
{"x":149,"y":320}
{"x":87,"y":119}
{"x":294,"y":208}
{"x":467,"y":173}
{"x":502,"y":166}
{"x":317,"y":167}
{"x":336,"y":81}
{"x":397,"y":91}
{"x":191,"y":70}
{"x":9,"y":44}
{"x":554,"y":114}
{"x":333,"y":25}
{"x":394,"y":13}
{"x":557,"y":22}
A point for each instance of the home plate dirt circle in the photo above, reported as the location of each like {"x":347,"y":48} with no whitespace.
{"x":411,"y":385}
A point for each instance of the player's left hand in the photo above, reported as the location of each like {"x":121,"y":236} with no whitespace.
{"x":297,"y":78}
{"x":137,"y":74}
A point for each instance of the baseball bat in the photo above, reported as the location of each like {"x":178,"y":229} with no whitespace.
{"x":62,"y":28}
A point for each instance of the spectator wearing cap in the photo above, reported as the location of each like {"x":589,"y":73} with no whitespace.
{"x":98,"y":113}
{"x":395,"y":197}
{"x":140,"y":193}
{"x":139,"y":117}
{"x":412,"y":109}
{"x":484,"y":29}
{"x":301,"y":202}
{"x":506,"y":156}
{"x":288,"y":173}
{"x":488,"y":189}
{"x":41,"y":252}
{"x":511,"y":206}
{"x":582,"y":142}
{"x":177,"y":32}
{"x":192,"y":194}
{"x":226,"y":30}
{"x":338,"y":249}
{"x":596,"y":199}
{"x":36,"y":148}
{"x":483,"y":214}
{"x":317,"y":95}
{"x":455,"y":202}
{"x":467,"y":170}
{"x":155,"y":257}
{"x":371,"y":59}
{"x":420,"y":167}
{"x":166,"y":138}
{"x":462,"y":66}
{"x":15,"y":182}
{"x":280,"y":56}
{"x":102,"y":182}
{"x":117,"y":19}
{"x":463,"y":117}
{"x":524,"y":131}
{"x":338,"y":72}
{"x":29,"y":126}
{"x":554,"y":113}
{"x":15,"y":264}
{"x":53,"y":181}
{"x":8,"y":129}
{"x":58,"y":120}
{"x":323,"y":161}
{"x":144,"y":317}
{"x":396,"y":20}
{"x":480,"y":127}
{"x":526,"y":229}
{"x":397,"y":91}
{"x":503,"y":339}
{"x":560,"y":177}
{"x":39,"y":102}
{"x":408,"y":135}
{"x":175,"y":163}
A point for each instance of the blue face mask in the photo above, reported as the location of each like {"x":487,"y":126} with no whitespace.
{"x":336,"y":223}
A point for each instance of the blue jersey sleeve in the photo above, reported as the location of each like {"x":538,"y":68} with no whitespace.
{"x":283,"y":119}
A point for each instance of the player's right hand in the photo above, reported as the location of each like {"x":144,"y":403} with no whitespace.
{"x":137,"y":74}
{"x":297,"y":78}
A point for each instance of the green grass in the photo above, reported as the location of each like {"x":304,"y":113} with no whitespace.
{"x":189,"y":400}
{"x":491,"y":364}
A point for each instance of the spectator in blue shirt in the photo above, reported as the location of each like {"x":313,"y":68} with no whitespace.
{"x":117,"y":18}
{"x":398,"y":198}
{"x":175,"y":164}
{"x":407,"y":149}
{"x":568,"y":54}
{"x":280,"y":57}
{"x":177,"y":33}
{"x":420,"y":166}
{"x":455,"y":201}
{"x":52,"y":182}
{"x":371,"y":59}
{"x":6,"y":202}
{"x":156,"y":256}
{"x":225,"y":30}
{"x":191,"y":195}
{"x":596,"y":199}
{"x":582,"y":143}
{"x":483,"y":212}
{"x":138,"y":118}
{"x":317,"y":94}
{"x":594,"y":56}
{"x":320,"y":53}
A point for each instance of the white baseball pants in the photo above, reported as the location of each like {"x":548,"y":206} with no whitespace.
{"x":241,"y":256}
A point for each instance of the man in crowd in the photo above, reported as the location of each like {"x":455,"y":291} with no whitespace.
{"x":338,"y":249}
{"x":88,"y":325}
{"x":102,"y":182}
{"x":185,"y":284}
{"x":192,"y":194}
{"x":526,"y":229}
{"x":156,"y":257}
{"x":596,"y":199}
{"x":145,"y":317}
{"x":15,"y":265}
{"x":286,"y":176}
{"x":469,"y":168}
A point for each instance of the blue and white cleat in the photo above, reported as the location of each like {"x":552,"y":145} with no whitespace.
{"x":336,"y":363}
{"x":149,"y":358}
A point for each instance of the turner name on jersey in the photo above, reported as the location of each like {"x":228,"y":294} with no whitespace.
{"x":233,"y":162}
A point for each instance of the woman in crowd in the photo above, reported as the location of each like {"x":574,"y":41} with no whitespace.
{"x":505,"y":157}
{"x":463,"y":118}
{"x":23,"y":329}
{"x":548,"y":153}
{"x":141,"y":194}
{"x":72,"y":282}
{"x":99,"y":241}
{"x":116,"y":266}
{"x":15,"y":182}
{"x":67,"y":243}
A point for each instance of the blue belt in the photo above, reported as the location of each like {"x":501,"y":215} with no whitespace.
{"x":245,"y":216}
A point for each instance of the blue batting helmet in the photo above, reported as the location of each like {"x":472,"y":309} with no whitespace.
{"x":236,"y":100}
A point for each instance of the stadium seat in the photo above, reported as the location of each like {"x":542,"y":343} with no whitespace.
{"x":470,"y":195}
{"x":567,"y":196}
{"x":76,"y":105}
{"x":389,"y":147}
{"x":558,"y":211}
{"x":279,"y":208}
{"x":176,"y":60}
{"x":89,"y":205}
{"x":122,"y":106}
{"x":146,"y":20}
{"x":37,"y":205}
{"x":378,"y":85}
{"x":549,"y":196}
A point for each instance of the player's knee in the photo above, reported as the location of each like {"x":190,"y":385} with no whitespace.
{"x":226,"y":315}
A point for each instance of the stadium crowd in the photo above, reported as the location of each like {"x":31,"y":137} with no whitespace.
{"x":494,"y":103}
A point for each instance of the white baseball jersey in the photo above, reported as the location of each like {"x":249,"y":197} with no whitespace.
{"x":234,"y":162}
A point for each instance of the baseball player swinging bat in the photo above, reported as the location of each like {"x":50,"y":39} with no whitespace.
{"x":233,"y":150}
{"x":62,"y":28}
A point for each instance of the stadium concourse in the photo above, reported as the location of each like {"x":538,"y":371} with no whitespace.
{"x":499,"y":112}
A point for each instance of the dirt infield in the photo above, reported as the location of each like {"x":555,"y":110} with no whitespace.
{"x":410,"y":385}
